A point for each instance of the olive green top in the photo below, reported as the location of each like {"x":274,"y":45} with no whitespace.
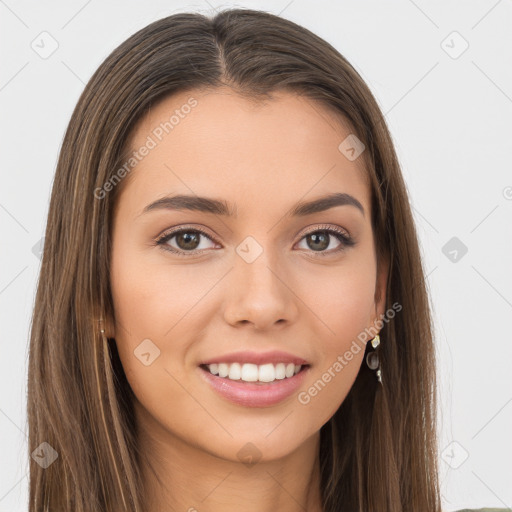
{"x":486,"y":510}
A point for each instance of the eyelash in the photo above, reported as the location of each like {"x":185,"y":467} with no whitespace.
{"x":346,"y":241}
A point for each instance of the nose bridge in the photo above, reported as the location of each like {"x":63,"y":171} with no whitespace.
{"x":257,"y":289}
{"x":254,"y":264}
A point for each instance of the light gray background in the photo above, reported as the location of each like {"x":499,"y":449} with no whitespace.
{"x":450,"y":116}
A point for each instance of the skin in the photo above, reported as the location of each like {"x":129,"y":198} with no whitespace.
{"x":264,"y":158}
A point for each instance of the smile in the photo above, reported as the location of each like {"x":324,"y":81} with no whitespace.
{"x":251,"y":385}
{"x":249,"y":372}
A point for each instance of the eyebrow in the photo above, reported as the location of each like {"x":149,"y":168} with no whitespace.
{"x":220,"y":207}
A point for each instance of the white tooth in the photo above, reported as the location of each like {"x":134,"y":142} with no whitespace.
{"x":267,"y":373}
{"x":280,"y":371}
{"x":235,"y":371}
{"x":249,"y":372}
{"x":223,"y":370}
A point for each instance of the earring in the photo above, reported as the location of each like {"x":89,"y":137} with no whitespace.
{"x":372,"y":358}
{"x":102,"y":330}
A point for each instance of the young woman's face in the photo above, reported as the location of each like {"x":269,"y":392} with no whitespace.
{"x":262,"y":280}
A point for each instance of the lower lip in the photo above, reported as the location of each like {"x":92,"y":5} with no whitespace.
{"x":250,"y":394}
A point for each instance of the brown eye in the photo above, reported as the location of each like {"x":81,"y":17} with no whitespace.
{"x":187,"y":240}
{"x":319,"y":240}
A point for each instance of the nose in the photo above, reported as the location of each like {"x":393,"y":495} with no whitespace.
{"x":260,"y":295}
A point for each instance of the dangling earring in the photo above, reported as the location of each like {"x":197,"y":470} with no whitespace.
{"x":372,"y":358}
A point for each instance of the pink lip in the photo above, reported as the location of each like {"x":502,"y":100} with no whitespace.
{"x":259,"y":358}
{"x":254,"y":395}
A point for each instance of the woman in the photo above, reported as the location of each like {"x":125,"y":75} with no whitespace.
{"x":228,"y":230}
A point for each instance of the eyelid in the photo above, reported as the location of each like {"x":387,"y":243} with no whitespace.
{"x":172,"y":231}
{"x":326,"y":227}
{"x":314,"y":228}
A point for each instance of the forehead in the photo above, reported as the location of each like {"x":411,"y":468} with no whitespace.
{"x":219,"y":143}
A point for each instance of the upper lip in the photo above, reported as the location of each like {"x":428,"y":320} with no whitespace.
{"x":258,"y":358}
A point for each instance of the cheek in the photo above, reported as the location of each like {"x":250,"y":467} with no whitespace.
{"x":152,"y":298}
{"x":343,"y":302}
{"x":157,"y":309}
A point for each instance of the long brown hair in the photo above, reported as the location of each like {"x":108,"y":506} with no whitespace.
{"x":379,"y":450}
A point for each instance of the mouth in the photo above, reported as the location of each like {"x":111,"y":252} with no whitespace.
{"x":253,"y":373}
{"x":251,"y":385}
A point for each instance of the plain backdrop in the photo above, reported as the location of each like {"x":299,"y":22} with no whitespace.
{"x":441,"y":73}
